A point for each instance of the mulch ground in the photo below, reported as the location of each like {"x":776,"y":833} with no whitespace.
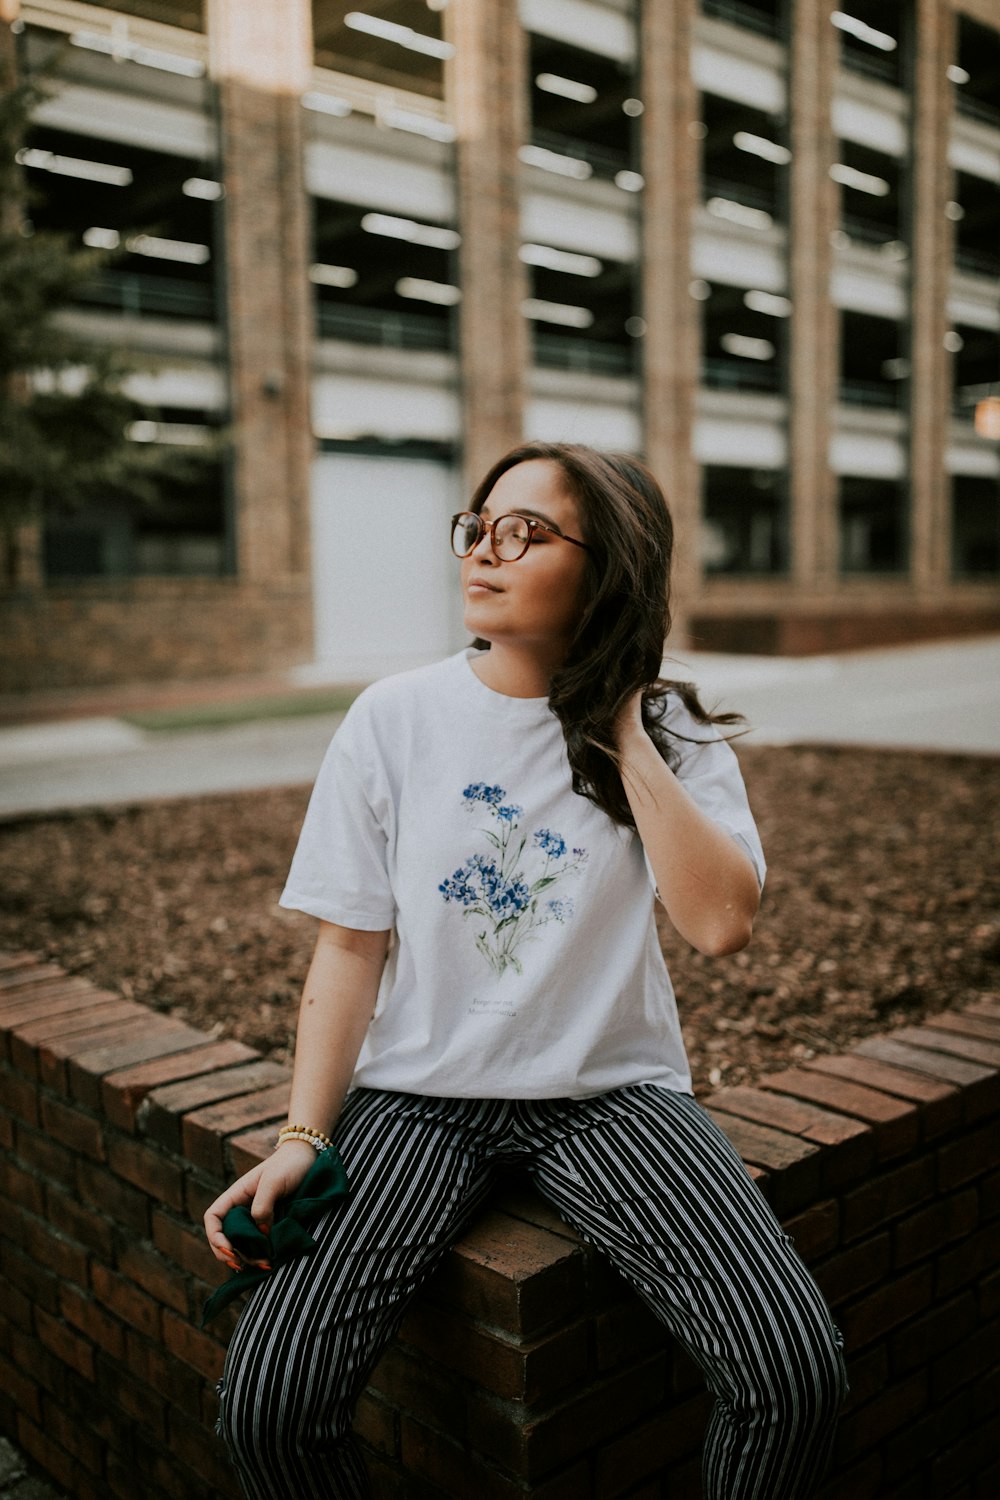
{"x":881,"y":907}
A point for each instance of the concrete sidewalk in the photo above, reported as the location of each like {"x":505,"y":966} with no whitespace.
{"x":942,"y":696}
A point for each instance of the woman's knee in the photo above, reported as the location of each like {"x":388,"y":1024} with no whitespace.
{"x":804,"y":1382}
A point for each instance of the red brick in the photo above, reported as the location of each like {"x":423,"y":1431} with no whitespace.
{"x":783,"y":1111}
{"x":922,"y":1234}
{"x":205,"y":1129}
{"x":376,"y":1423}
{"x":622,"y":1334}
{"x":19,"y":1095}
{"x":27,"y":1040}
{"x":124,"y":1090}
{"x":154,"y":1367}
{"x":894,"y":1120}
{"x":148,"y":1169}
{"x":184,"y":1245}
{"x":37,"y":992}
{"x":934,"y":1063}
{"x":34,"y":1281}
{"x":54,"y":1053}
{"x":794,"y":1165}
{"x":126,"y":1301}
{"x":875,"y":1315}
{"x":6,"y":1132}
{"x":65,"y":1344}
{"x":165,"y":1107}
{"x":23,"y":1391}
{"x":141,"y":1403}
{"x":973,"y":1258}
{"x":72,"y":1128}
{"x":972,"y":1048}
{"x":151,"y":1271}
{"x":967,"y":1024}
{"x":45,"y":1246}
{"x":199,"y":1350}
{"x":246,"y":1150}
{"x":816,"y":1231}
{"x":940,"y":1328}
{"x":941,"y":1102}
{"x":202,"y":1452}
{"x":17,"y":963}
{"x":522,"y":1370}
{"x":125,"y":1204}
{"x":21,"y":1187}
{"x":161,"y":1036}
{"x":39,"y":1446}
{"x":968,"y":1361}
{"x":73,"y":1437}
{"x":80,"y":1309}
{"x":868,"y":1375}
{"x":886,"y":1197}
{"x":512,"y":1275}
{"x":895,"y":1409}
{"x":971,"y":1156}
{"x":91,"y":1230}
{"x":851,"y":1271}
{"x":652,"y":1446}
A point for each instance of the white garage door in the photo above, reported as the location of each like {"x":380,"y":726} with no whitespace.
{"x":385,"y":584}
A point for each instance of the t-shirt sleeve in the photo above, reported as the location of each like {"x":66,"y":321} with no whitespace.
{"x":710,"y":774}
{"x":339,"y":871}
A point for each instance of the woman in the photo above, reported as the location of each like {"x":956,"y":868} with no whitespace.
{"x":506,"y":818}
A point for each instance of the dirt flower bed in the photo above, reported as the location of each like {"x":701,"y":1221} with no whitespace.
{"x":881,"y":906}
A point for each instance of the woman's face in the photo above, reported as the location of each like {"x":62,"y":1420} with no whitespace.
{"x":534,"y":602}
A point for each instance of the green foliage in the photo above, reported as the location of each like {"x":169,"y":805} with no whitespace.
{"x":63,"y":404}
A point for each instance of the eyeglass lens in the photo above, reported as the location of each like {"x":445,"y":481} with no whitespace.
{"x":510,"y":537}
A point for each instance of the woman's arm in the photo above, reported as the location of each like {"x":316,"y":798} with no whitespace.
{"x":336,"y":1008}
{"x":706,"y":882}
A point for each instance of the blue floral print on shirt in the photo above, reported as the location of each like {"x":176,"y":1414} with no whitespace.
{"x":496,"y":889}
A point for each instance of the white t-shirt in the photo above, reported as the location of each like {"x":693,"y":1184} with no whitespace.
{"x":526,"y":962}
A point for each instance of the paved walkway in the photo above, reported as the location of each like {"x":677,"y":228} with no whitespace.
{"x":943,"y":696}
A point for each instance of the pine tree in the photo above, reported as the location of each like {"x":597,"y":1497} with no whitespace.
{"x":64,"y":410}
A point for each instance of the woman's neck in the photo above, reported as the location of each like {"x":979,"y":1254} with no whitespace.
{"x":514,"y":672}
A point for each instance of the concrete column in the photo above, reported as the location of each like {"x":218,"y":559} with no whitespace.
{"x":261,"y":57}
{"x":813,"y":345}
{"x":672,"y":343}
{"x":931,"y":259}
{"x":487,"y":92}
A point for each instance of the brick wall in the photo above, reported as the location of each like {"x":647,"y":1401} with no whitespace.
{"x":99,"y":632}
{"x":527,"y":1368}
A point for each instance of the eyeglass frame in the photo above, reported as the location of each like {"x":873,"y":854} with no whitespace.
{"x":490,"y":528}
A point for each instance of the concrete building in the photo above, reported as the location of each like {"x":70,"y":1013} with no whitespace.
{"x":757,"y":241}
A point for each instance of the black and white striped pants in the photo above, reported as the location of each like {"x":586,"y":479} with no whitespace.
{"x":642,"y":1173}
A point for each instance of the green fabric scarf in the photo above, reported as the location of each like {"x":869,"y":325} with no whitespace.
{"x":324,"y":1185}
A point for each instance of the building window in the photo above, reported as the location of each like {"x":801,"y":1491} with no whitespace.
{"x":187,"y":14}
{"x":744,"y":160}
{"x":584,"y":112}
{"x":743,"y":337}
{"x":976,"y":75}
{"x":976,"y":215}
{"x":975,"y":366}
{"x":154,"y":213}
{"x":581,"y":310}
{"x":872,"y":37}
{"x":764,"y":16}
{"x":382,"y":278}
{"x":874,"y":367}
{"x":871,"y":210}
{"x":872,"y":525}
{"x":975,"y":526}
{"x":183,"y":531}
{"x":398,"y":43}
{"x":744,"y":526}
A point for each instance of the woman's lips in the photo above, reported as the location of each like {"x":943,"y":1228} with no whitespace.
{"x":481,"y":585}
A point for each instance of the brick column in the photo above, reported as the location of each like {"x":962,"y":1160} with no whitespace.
{"x":261,"y":58}
{"x":931,"y":252}
{"x":813,"y":345}
{"x":672,"y":353}
{"x":486,"y":88}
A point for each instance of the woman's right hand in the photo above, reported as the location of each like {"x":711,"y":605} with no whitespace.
{"x":260,"y":1188}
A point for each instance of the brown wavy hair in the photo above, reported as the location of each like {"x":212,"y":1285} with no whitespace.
{"x":618,"y":644}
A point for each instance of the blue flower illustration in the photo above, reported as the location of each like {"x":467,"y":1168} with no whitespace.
{"x":495,"y":888}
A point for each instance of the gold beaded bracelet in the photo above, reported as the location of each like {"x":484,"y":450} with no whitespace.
{"x":305,"y":1133}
